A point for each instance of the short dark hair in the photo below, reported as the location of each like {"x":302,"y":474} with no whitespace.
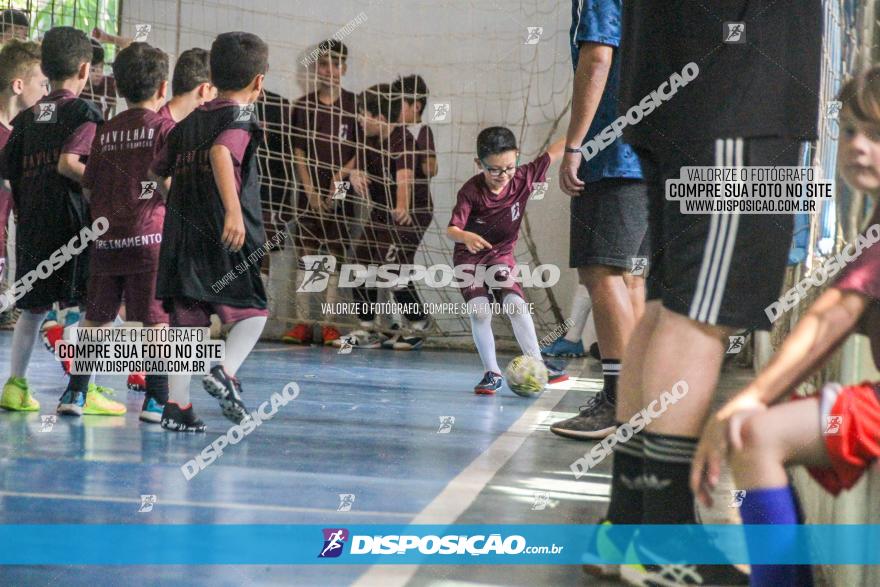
{"x":412,"y":88}
{"x":11,"y":17}
{"x":494,"y":141}
{"x":97,"y":51}
{"x":380,"y":100}
{"x":192,"y":69}
{"x":236,"y":59}
{"x":334,"y":47}
{"x":139,"y":70}
{"x":64,"y":50}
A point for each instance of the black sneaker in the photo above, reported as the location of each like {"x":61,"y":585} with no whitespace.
{"x":675,"y":574}
{"x":179,"y":419}
{"x":594,"y":351}
{"x":594,"y":422}
{"x":227,"y":390}
{"x":489,"y":384}
{"x":408,"y":343}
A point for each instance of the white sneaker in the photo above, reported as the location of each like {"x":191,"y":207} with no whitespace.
{"x":361,"y":339}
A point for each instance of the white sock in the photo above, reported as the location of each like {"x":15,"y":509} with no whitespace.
{"x":521,"y":321}
{"x":581,"y":306}
{"x":178,"y":388}
{"x":241,"y":340}
{"x":481,"y":326}
{"x":23,"y":338}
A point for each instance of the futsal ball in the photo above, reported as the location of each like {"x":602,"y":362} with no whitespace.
{"x":526,"y":376}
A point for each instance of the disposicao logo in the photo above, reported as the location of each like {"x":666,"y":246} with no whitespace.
{"x":334,"y":540}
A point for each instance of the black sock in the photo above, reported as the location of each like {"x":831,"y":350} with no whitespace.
{"x":157,"y":388}
{"x":667,"y":498}
{"x":610,"y":373}
{"x":78,"y":383}
{"x":625,"y":506}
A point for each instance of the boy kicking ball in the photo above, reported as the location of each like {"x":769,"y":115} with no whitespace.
{"x":485,"y":226}
{"x":836,"y":432}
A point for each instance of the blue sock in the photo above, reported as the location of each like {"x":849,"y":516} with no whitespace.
{"x":775,"y":505}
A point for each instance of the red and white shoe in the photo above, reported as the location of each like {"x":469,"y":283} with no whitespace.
{"x":299,"y":334}
{"x":137,"y":381}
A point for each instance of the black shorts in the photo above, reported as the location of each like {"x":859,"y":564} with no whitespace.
{"x":721,"y":269}
{"x":609,"y":223}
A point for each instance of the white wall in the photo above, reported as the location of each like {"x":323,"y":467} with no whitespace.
{"x":472,"y":54}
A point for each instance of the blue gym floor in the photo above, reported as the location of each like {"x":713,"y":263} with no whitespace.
{"x":364,"y":424}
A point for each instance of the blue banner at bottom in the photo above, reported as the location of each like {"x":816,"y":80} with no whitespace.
{"x":81,"y":544}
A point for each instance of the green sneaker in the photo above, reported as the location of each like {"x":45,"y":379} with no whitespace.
{"x":607,"y":549}
{"x":98,"y":404}
{"x":17,"y":396}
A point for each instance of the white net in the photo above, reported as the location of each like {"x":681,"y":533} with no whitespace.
{"x":484,"y":64}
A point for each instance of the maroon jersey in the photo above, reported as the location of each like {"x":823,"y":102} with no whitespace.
{"x":424,"y":150}
{"x":328,"y":135}
{"x":165,"y":112}
{"x":103,"y":94}
{"x":116,"y":174}
{"x":495,"y":217}
{"x":407,"y":153}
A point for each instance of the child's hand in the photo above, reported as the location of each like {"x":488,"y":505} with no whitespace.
{"x":721,"y":431}
{"x":360,"y":183}
{"x":315,"y":203}
{"x":402,"y":217}
{"x":474,"y":242}
{"x":233,"y":231}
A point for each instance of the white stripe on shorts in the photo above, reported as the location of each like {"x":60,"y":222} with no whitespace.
{"x":720,"y":243}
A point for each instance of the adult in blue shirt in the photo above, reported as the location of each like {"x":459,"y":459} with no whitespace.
{"x":609,"y":208}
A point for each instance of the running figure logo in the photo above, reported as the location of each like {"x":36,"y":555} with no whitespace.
{"x":736,"y":344}
{"x":346,"y":500}
{"x":334,"y":540}
{"x":148,"y":189}
{"x":246,"y":113}
{"x":341,"y":190}
{"x":533,"y":35}
{"x":346,"y":345}
{"x":638,"y":265}
{"x":514,"y":212}
{"x":441,"y":113}
{"x":832,"y":424}
{"x":832,"y":109}
{"x":736,"y":498}
{"x":147,"y":503}
{"x":539,"y":190}
{"x":141,"y":32}
{"x":46,"y":112}
{"x":316,"y":272}
{"x":734,"y":32}
{"x":446,"y":423}
{"x":542,"y":500}
{"x":47,"y":423}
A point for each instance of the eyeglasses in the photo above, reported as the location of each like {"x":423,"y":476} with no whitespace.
{"x":499,"y":171}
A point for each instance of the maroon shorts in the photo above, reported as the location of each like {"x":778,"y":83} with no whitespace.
{"x":495,"y":288}
{"x":194,"y":313}
{"x":106,"y":293}
{"x":850,"y":422}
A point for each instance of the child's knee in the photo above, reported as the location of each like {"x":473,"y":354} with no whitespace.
{"x":759,"y":439}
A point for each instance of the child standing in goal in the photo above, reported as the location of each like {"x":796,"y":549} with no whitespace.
{"x":214,"y":224}
{"x":485,"y":226}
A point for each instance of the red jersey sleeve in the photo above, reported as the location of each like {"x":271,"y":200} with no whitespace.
{"x":80,"y":142}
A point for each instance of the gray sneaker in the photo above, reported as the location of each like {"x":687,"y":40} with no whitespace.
{"x":595,"y":421}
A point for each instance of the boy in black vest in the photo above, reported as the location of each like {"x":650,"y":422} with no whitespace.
{"x":44,"y":162}
{"x":213,"y":225}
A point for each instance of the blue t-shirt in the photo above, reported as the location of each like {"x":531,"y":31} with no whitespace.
{"x":598,"y":21}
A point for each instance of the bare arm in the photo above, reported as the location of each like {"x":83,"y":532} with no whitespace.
{"x":301,"y":169}
{"x":71,"y":167}
{"x":224,"y":178}
{"x":404,"y":180}
{"x":471,"y":240}
{"x":590,"y":78}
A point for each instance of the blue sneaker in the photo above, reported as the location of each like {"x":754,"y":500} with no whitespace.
{"x":489,"y":384}
{"x":151,"y":411}
{"x":564,"y":348}
{"x":71,"y":403}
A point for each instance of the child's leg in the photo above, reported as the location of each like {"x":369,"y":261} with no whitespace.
{"x":178,"y":388}
{"x":787,"y":434}
{"x":242,"y":338}
{"x":480,"y":315}
{"x":23,"y":337}
{"x":523,"y":327}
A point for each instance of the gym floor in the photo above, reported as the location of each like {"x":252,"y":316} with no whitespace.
{"x":365,"y":424}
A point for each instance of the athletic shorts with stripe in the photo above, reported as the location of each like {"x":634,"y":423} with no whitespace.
{"x":720,"y":269}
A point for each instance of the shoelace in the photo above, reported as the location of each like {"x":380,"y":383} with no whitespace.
{"x":591,"y":404}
